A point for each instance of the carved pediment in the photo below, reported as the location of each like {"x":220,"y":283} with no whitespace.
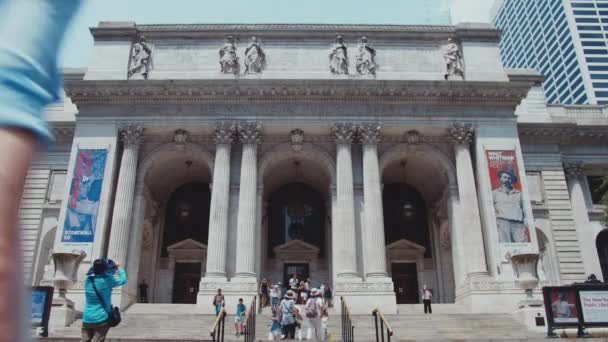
{"x":296,"y":250}
{"x":405,"y":249}
{"x":188,"y":250}
{"x":404,"y":244}
{"x":188,"y":244}
{"x":296,"y":246}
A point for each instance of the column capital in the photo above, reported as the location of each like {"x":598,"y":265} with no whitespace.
{"x":574,"y":168}
{"x":369,"y":133}
{"x":250,"y":132}
{"x":343,"y":133}
{"x":461,"y":134}
{"x":224,"y":133}
{"x":132,"y":135}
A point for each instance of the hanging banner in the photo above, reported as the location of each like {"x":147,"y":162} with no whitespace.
{"x":85,"y":194}
{"x":513,"y":232}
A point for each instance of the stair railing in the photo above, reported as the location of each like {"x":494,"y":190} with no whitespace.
{"x":384,"y":327}
{"x":217,"y":330}
{"x":249,"y":330}
{"x":348,"y":328}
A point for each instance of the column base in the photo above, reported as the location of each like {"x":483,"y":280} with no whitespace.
{"x":489,"y":295}
{"x":237,"y":287}
{"x":362,"y":297}
{"x":529,"y":312}
{"x":63,"y":313}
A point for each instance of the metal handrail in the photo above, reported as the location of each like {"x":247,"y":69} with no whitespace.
{"x":383,"y":323}
{"x":348,"y":328}
{"x":217,"y":330}
{"x":249,"y":330}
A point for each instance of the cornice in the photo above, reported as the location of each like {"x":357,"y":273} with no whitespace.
{"x":436,"y":93}
{"x":563,"y":133}
{"x":471,"y":32}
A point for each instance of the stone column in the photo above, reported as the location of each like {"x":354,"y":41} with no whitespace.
{"x":575,"y":170}
{"x":250,"y":134}
{"x":220,"y":191}
{"x":344,"y":234}
{"x":131,"y":137}
{"x":469,"y":227}
{"x":373,"y":243}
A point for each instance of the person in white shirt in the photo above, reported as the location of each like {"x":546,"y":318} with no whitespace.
{"x":427,"y":295}
{"x":314,"y":308}
{"x":274,"y":296}
{"x":509,"y":209}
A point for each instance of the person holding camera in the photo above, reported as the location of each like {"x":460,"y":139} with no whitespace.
{"x":98,"y":314}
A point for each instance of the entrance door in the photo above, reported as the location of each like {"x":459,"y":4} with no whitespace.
{"x":300,"y":269}
{"x":405,"y":280}
{"x":185,"y":282}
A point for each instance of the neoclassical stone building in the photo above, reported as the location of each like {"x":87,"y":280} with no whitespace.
{"x":373,"y":158}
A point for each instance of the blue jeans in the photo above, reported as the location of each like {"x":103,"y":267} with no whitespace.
{"x":218,"y":308}
{"x":274,"y":301}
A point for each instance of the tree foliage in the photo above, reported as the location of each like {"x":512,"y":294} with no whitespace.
{"x":603,"y":189}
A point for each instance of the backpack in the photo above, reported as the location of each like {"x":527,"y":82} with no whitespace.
{"x":312,"y":311}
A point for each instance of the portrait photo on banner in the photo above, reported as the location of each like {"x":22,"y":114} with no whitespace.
{"x":84,"y":197}
{"x":563,"y":305}
{"x":508,"y":199}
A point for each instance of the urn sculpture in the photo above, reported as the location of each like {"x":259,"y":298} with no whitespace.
{"x":525,"y":266}
{"x":66,"y":270}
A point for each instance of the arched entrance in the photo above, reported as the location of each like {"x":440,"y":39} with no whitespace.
{"x":601,"y":242}
{"x":296,"y":225}
{"x":174,"y":182}
{"x":185,"y":239}
{"x":417,"y":230}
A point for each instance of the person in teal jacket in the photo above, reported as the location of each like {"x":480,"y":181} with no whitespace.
{"x":106,"y":275}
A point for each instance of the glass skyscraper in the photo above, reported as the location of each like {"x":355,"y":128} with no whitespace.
{"x":565,"y":40}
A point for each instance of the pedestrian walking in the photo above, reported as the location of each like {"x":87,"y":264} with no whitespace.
{"x":239,"y":318}
{"x":274,"y":296}
{"x":313,"y":309}
{"x":427,"y":296}
{"x":275,"y":326}
{"x":218,"y":301}
{"x":288,"y":319}
{"x":264,"y":293}
{"x":101,"y":278}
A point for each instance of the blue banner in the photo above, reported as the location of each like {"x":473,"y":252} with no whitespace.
{"x":85,"y":194}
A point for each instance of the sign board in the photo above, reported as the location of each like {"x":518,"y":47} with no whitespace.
{"x":561,"y":305}
{"x":42,"y":299}
{"x":594,"y":304}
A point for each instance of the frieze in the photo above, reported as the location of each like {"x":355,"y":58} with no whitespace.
{"x":364,"y":287}
{"x":492,"y":286}
{"x":244,"y":91}
{"x":211,"y":286}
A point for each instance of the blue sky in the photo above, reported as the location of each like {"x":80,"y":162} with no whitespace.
{"x":77,"y":47}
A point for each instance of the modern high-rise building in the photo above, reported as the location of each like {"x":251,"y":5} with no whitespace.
{"x":563,"y":39}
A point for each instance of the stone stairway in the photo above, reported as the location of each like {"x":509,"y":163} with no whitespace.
{"x":171,"y":322}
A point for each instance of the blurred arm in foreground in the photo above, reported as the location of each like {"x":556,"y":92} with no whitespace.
{"x":31,"y":32}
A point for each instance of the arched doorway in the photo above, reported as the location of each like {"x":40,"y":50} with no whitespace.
{"x":406,"y":226}
{"x":296,"y":224}
{"x":601,"y":242}
{"x":173,"y":185}
{"x":185,"y":238}
{"x":296,"y":213}
{"x":417,"y":229}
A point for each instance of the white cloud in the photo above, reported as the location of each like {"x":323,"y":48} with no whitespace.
{"x":477,"y":11}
